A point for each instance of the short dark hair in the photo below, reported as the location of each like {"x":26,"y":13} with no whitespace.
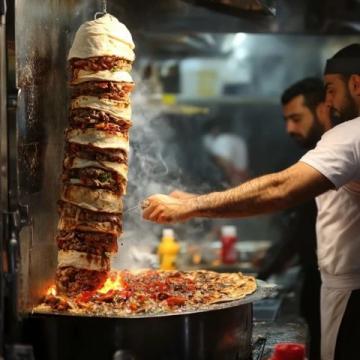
{"x":345,"y":62}
{"x":311,"y":88}
{"x":350,"y":51}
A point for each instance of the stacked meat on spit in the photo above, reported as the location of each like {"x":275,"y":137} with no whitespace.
{"x":96,"y":154}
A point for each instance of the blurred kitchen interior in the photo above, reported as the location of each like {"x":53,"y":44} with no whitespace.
{"x":203,"y":60}
{"x":196,"y":64}
{"x":197,"y":60}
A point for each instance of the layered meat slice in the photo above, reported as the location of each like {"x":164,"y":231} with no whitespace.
{"x":92,"y":199}
{"x":120,"y":109}
{"x":95,"y":243}
{"x":98,"y":138}
{"x":72,"y":281}
{"x":104,"y":89}
{"x":83,"y":118}
{"x":95,"y":177}
{"x":90,"y":152}
{"x":80,"y":271}
{"x":73,"y":217}
{"x":95,"y":173}
{"x":98,"y":63}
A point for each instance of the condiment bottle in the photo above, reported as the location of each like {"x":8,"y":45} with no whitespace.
{"x":168,"y":250}
{"x":288,"y":351}
{"x":228,"y":241}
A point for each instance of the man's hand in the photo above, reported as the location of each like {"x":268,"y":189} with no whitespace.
{"x":165,"y":209}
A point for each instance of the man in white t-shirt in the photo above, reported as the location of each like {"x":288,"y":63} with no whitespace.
{"x":331,"y":173}
{"x":229,"y":151}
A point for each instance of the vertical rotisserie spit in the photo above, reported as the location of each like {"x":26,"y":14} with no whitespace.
{"x":96,"y":154}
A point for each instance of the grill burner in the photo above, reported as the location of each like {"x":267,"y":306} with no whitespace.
{"x":212,"y":335}
{"x":222,"y":331}
{"x":219,"y":331}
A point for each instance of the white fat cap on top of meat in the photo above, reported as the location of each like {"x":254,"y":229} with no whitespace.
{"x":103,"y":75}
{"x":105,"y":36}
{"x":98,"y":138}
{"x":116,"y":108}
{"x":121,"y":169}
{"x":81,"y":260}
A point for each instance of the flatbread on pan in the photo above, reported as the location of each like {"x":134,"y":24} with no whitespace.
{"x":147,"y":292}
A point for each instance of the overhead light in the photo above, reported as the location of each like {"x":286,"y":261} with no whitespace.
{"x":239,"y":39}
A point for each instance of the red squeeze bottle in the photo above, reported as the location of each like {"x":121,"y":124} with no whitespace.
{"x":288,"y":351}
{"x":228,"y":241}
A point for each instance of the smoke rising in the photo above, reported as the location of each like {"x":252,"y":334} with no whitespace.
{"x":153,"y":168}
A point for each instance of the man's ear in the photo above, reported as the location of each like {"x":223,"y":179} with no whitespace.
{"x":354,"y":84}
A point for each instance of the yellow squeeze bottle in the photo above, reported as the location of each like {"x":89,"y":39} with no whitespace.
{"x":168,"y":250}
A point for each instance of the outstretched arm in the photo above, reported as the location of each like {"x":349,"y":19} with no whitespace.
{"x":265,"y":194}
{"x":261,"y":195}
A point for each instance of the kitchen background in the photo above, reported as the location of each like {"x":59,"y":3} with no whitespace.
{"x":193,"y":65}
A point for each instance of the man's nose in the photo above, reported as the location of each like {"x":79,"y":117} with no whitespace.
{"x":329,"y":99}
{"x":290,"y":127}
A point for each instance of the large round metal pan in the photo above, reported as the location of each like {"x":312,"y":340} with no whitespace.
{"x":220,"y":331}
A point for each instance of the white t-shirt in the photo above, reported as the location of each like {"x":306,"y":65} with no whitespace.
{"x":337,"y":156}
{"x":229,"y":147}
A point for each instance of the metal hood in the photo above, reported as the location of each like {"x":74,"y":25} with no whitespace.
{"x":239,"y":7}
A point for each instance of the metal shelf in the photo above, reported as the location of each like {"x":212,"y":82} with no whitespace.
{"x":228,"y":100}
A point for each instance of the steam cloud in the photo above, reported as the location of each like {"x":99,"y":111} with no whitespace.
{"x":148,"y":174}
{"x":153,"y":168}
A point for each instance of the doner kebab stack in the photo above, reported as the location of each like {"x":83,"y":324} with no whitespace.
{"x":96,"y":154}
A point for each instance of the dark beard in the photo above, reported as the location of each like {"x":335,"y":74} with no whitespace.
{"x":312,"y":137}
{"x":348,"y":112}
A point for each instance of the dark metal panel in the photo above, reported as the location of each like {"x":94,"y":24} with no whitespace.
{"x":3,"y":164}
{"x":3,"y":125}
{"x":44,"y":32}
{"x":222,"y":334}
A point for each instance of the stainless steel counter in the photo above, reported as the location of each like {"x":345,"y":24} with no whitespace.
{"x":277,"y":332}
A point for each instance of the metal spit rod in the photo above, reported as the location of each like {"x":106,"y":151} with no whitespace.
{"x":140,"y":206}
{"x":103,"y":8}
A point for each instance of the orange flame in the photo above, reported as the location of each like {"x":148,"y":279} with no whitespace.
{"x":113,"y":282}
{"x":51,"y":290}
